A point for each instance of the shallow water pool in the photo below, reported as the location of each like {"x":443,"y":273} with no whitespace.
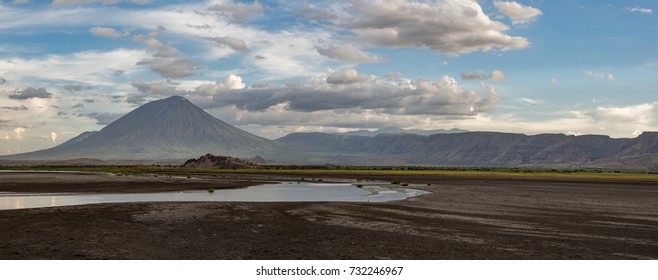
{"x":280,"y":192}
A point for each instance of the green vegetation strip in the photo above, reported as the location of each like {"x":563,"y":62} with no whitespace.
{"x":365,"y":170}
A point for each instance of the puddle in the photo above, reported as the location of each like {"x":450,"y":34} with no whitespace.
{"x":282,"y":192}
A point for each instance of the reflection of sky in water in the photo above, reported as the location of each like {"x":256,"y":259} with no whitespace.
{"x":263,"y":193}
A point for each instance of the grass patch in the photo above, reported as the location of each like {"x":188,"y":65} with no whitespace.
{"x":370,"y":171}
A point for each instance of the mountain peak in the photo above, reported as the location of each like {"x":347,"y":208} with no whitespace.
{"x":175,"y":98}
{"x":170,"y":128}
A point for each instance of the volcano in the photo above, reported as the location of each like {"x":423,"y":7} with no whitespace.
{"x":171,"y":128}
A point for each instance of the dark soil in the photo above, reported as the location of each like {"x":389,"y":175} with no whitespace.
{"x":463,"y":218}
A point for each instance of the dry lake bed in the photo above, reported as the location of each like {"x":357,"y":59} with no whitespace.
{"x":445,"y":217}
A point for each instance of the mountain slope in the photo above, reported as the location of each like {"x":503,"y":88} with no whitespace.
{"x":486,"y":149}
{"x":163,"y":129}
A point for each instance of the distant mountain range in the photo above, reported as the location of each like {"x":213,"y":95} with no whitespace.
{"x":484,"y":149}
{"x":396,"y":130}
{"x":176,"y":129}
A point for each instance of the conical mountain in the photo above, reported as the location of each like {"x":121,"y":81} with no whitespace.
{"x":171,"y":128}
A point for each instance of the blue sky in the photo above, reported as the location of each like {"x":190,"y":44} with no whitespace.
{"x":276,"y":67}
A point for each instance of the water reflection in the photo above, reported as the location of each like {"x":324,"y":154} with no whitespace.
{"x":261,"y":193}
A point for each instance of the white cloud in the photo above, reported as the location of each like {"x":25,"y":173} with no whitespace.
{"x":346,"y":76}
{"x":239,"y":12}
{"x":450,"y":27}
{"x":531,"y":102}
{"x":638,"y":9}
{"x":517,"y":13}
{"x":356,"y":93}
{"x":348,"y":54}
{"x":288,"y":53}
{"x":600,"y":75}
{"x":230,"y":82}
{"x":496,"y":75}
{"x":167,"y":61}
{"x":53,"y":137}
{"x":89,"y":67}
{"x":19,"y":133}
{"x":105,"y":32}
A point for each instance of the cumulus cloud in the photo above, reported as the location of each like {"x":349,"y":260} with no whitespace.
{"x":494,"y":76}
{"x":19,"y":132}
{"x":346,"y":76}
{"x":347,"y":99}
{"x":105,"y":32}
{"x":638,"y":9}
{"x":348,"y":54}
{"x":167,"y":61}
{"x":517,"y":13}
{"x":53,"y":137}
{"x":450,"y":27}
{"x":239,"y":12}
{"x":600,"y":75}
{"x":230,"y":82}
{"x":31,"y":92}
{"x":442,"y":97}
{"x":621,"y":121}
{"x":233,"y":43}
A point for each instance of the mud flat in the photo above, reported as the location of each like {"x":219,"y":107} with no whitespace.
{"x":462,"y":218}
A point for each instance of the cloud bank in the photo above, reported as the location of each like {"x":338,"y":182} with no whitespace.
{"x":451,"y":27}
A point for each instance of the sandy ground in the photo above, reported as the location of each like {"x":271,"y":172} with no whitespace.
{"x":463,"y":218}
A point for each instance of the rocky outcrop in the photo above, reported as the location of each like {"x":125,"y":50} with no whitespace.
{"x":220,"y":162}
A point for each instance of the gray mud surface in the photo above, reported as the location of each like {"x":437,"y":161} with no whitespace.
{"x":463,"y":218}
